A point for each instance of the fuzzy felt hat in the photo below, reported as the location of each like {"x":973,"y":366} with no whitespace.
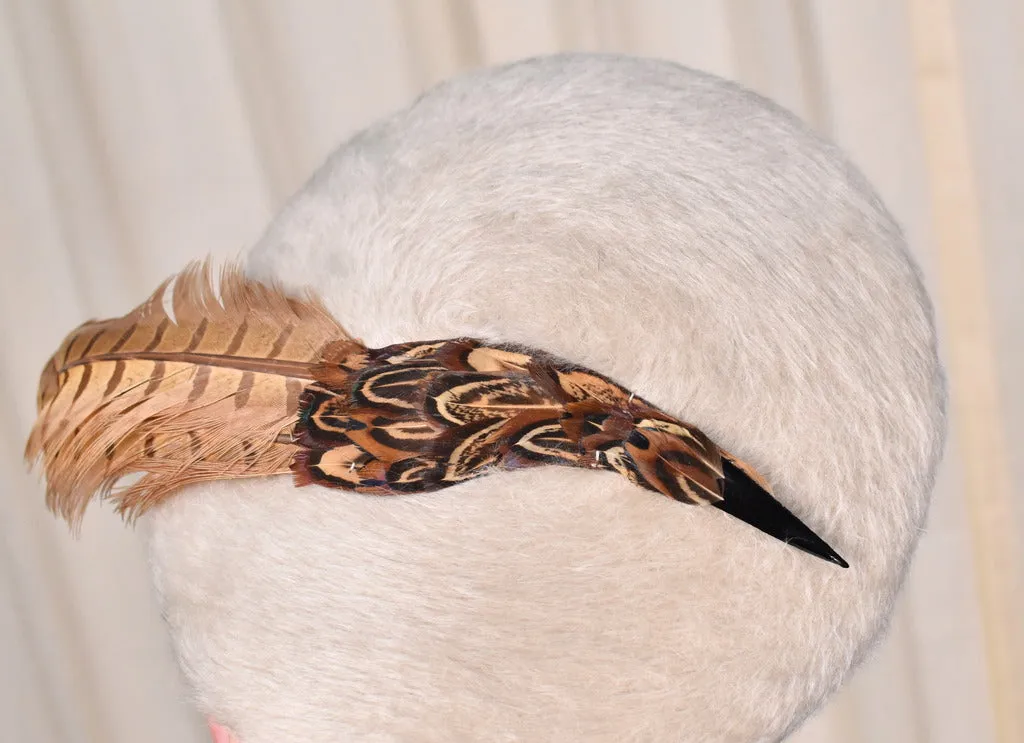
{"x":658,"y":227}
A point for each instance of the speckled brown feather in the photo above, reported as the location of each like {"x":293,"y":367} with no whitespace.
{"x":416,"y":417}
{"x":421,"y":416}
{"x":256,"y":383}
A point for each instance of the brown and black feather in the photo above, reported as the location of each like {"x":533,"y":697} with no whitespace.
{"x":253,"y":383}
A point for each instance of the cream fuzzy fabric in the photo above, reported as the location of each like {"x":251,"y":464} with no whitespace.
{"x":692,"y":241}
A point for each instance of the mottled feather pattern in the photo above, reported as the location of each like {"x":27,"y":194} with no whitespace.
{"x":254,"y":383}
{"x":459,"y":407}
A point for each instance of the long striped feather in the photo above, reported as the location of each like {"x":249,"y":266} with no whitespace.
{"x":205,"y":395}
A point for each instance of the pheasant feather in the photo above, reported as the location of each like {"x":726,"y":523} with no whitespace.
{"x":255,"y":383}
{"x":202,"y":396}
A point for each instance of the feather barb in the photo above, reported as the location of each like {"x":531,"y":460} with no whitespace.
{"x":206,"y":392}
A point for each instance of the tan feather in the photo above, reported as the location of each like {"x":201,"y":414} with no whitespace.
{"x":209,"y":394}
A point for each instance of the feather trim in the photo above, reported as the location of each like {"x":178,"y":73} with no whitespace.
{"x":205,"y":395}
{"x":256,"y":383}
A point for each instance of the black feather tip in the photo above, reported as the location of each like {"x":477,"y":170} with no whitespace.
{"x":750,"y":503}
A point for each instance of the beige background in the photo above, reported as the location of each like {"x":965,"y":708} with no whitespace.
{"x":136,"y":135}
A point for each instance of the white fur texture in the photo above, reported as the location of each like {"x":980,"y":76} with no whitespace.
{"x":692,"y":241}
